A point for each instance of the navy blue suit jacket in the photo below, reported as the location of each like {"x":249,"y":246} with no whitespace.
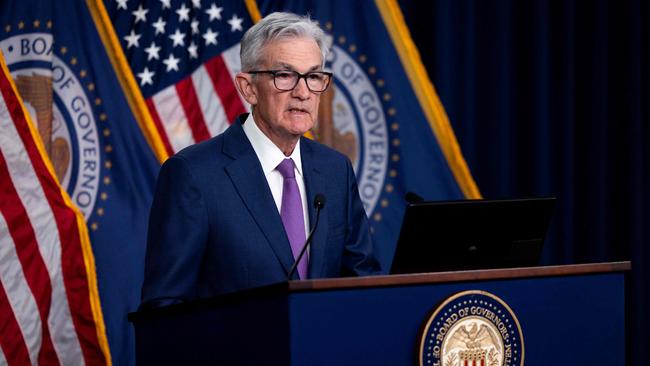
{"x":215,"y":228}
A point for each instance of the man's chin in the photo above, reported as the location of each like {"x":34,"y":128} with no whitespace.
{"x":300,"y":126}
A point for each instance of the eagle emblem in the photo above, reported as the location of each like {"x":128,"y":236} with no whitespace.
{"x":472,"y":328}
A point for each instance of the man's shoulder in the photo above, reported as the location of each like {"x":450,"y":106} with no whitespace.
{"x":200,"y":153}
{"x":322,"y":152}
{"x":212,"y":149}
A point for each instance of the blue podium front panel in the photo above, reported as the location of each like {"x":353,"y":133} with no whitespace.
{"x":573,"y":320}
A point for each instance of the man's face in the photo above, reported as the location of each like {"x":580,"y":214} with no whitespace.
{"x":287,"y":114}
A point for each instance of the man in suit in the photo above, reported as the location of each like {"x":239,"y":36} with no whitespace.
{"x":233,"y":212}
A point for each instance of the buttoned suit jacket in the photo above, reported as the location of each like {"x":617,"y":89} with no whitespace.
{"x":215,"y":228}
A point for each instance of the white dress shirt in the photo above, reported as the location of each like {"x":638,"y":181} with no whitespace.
{"x":270,"y":156}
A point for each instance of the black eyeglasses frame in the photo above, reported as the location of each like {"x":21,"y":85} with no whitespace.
{"x":300,"y":76}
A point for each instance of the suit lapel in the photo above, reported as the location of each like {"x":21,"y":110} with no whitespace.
{"x":314,"y":183}
{"x":248,"y":179}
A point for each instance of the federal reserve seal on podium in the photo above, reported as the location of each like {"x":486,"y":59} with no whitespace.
{"x":472,"y":328}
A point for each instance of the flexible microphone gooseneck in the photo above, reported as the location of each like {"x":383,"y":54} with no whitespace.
{"x":319,"y":203}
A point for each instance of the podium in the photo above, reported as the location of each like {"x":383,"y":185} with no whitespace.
{"x":568,"y":315}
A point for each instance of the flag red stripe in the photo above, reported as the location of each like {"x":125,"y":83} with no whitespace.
{"x":190,"y":102}
{"x":34,"y":269}
{"x":158,"y":123}
{"x":225,"y":88}
{"x":73,"y":266}
{"x":12,"y":341}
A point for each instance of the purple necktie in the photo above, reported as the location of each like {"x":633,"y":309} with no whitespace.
{"x":292,"y":215}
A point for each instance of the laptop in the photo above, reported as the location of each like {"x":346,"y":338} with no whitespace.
{"x":472,"y":234}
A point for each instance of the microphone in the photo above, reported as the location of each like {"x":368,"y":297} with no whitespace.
{"x":319,"y":203}
{"x":413,"y":198}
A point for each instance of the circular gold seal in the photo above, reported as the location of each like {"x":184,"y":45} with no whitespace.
{"x":472,"y":328}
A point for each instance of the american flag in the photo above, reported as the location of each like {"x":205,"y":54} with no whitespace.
{"x":184,"y":56}
{"x":49,"y":304}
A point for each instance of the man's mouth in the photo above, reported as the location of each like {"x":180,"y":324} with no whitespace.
{"x":298,"y":110}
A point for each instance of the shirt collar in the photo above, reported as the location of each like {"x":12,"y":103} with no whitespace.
{"x":269,"y":155}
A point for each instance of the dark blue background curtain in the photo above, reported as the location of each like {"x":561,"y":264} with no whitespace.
{"x":552,"y":98}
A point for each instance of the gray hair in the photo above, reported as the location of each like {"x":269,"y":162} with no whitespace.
{"x":277,"y":26}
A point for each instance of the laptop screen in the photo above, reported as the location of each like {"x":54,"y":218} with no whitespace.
{"x":472,"y":234}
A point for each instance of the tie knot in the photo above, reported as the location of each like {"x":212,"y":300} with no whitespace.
{"x":286,"y":168}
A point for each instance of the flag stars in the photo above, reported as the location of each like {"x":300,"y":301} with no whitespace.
{"x":196,"y":4}
{"x":73,"y":60}
{"x":235,"y":23}
{"x":171,"y":62}
{"x":121,"y":4}
{"x":152,"y":52}
{"x":83,"y":73}
{"x":159,"y":25}
{"x":177,"y":38}
{"x":21,"y":25}
{"x":194,"y":25}
{"x":146,"y":77}
{"x":36,"y":23}
{"x":100,"y":211}
{"x":166,"y":4}
{"x":107,"y":180}
{"x":214,"y":12}
{"x":104,"y":196}
{"x":98,"y":101}
{"x":94,"y":226}
{"x":48,"y":24}
{"x":210,"y":37}
{"x":183,"y":13}
{"x":103,"y":117}
{"x":140,"y":14}
{"x":132,"y":39}
{"x":193,"y":50}
{"x":91,"y":86}
{"x":108,"y":164}
{"x":63,"y":50}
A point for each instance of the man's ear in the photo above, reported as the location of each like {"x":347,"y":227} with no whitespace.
{"x":247,"y":89}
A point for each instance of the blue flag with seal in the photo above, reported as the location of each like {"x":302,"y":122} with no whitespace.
{"x":383,"y":112}
{"x":56,"y":54}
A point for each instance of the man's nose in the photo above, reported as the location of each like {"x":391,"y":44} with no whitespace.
{"x":301,"y":91}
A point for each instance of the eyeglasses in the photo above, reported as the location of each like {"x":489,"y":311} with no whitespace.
{"x":287,"y":80}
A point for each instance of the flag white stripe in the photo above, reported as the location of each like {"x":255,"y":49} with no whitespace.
{"x":32,"y":196}
{"x":3,"y":359}
{"x":214,"y":114}
{"x":173,"y":118}
{"x":232,"y":61}
{"x":19,"y":294}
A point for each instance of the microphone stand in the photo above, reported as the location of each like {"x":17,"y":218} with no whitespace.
{"x":319,"y":203}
